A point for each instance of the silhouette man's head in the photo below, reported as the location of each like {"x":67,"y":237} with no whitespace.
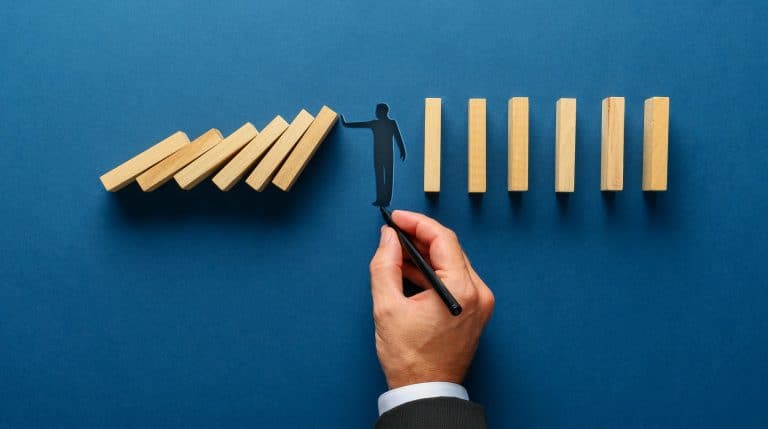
{"x":382,"y":110}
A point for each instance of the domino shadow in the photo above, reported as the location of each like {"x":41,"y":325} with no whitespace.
{"x":432,"y":198}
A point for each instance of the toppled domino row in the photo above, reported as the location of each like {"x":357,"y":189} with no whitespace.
{"x":655,"y":144}
{"x":280,"y":152}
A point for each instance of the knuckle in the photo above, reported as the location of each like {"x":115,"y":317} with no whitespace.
{"x":451,"y":235}
{"x":376,"y":265}
{"x":489,"y":301}
{"x":381,"y":311}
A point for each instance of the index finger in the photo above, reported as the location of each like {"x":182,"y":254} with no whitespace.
{"x":444,"y":249}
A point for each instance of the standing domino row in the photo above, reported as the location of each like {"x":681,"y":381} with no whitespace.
{"x":655,"y":144}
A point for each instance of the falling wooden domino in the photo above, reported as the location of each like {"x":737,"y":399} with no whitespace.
{"x":517,"y":144}
{"x":191,"y":175}
{"x":612,"y":153}
{"x":476,"y":145}
{"x":126,"y":172}
{"x":305,"y":149}
{"x":267,"y":167}
{"x":656,"y":144}
{"x":236,"y":168}
{"x":432,"y":137}
{"x":565,"y":145}
{"x":165,"y":169}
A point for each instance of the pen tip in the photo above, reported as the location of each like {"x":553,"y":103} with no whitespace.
{"x":387,"y":217}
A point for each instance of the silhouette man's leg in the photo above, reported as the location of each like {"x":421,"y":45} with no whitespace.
{"x":378,"y":169}
{"x":387,"y":173}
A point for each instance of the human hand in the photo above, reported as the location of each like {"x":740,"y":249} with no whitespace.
{"x":417,"y":338}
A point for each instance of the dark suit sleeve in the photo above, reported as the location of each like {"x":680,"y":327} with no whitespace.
{"x":443,"y":413}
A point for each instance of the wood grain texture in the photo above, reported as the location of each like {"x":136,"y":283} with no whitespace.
{"x":239,"y":165}
{"x":656,"y":144}
{"x":165,"y":169}
{"x":476,"y":145}
{"x":194,"y":173}
{"x":306,"y":147}
{"x":517,"y":144}
{"x":565,"y":145}
{"x":127,"y":172}
{"x":612,"y":150}
{"x":432,"y":141}
{"x":268,"y":166}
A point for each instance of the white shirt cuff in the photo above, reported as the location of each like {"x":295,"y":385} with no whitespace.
{"x":395,"y":397}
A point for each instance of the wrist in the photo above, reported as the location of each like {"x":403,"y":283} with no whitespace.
{"x":406,"y":378}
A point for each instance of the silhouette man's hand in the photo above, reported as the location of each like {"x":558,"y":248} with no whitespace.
{"x":402,"y":156}
{"x":417,"y":339}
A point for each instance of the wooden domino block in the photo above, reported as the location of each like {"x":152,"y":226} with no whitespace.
{"x":476,"y":144}
{"x":126,"y":172}
{"x":612,"y":153}
{"x":517,"y":144}
{"x":165,"y":169}
{"x":565,"y":145}
{"x":236,"y":168}
{"x":655,"y":144}
{"x":432,"y":137}
{"x":305,"y":149}
{"x":191,"y":175}
{"x":267,"y":167}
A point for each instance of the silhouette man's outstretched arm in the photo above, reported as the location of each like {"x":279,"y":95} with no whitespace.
{"x":399,"y":140}
{"x":366,"y":124}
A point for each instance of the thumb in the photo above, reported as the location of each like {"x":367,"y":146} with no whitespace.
{"x":386,"y":268}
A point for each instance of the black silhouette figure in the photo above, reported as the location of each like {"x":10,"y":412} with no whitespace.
{"x":384,"y":129}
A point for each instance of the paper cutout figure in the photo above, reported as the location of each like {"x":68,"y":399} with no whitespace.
{"x":384,"y":130}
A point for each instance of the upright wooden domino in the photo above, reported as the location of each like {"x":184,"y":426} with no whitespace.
{"x":267,"y":167}
{"x":165,"y":169}
{"x":238,"y":166}
{"x":656,"y":144}
{"x":612,"y":153}
{"x":432,"y":141}
{"x":517,"y":144}
{"x":565,"y":145}
{"x":305,"y":149}
{"x":476,"y":136}
{"x":127,"y":172}
{"x":191,"y":175}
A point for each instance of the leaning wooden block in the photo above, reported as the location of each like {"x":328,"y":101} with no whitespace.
{"x":432,"y":135}
{"x":235,"y":169}
{"x":476,"y":136}
{"x":305,"y":149}
{"x":656,"y":144}
{"x":612,"y":153}
{"x":126,"y":172}
{"x":204,"y":166}
{"x":565,"y":145}
{"x":517,"y":142}
{"x":165,"y":169}
{"x":267,"y":167}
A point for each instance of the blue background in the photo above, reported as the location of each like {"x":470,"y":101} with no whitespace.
{"x":239,"y":309}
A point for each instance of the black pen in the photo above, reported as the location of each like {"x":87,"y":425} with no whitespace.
{"x":429,"y":273}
